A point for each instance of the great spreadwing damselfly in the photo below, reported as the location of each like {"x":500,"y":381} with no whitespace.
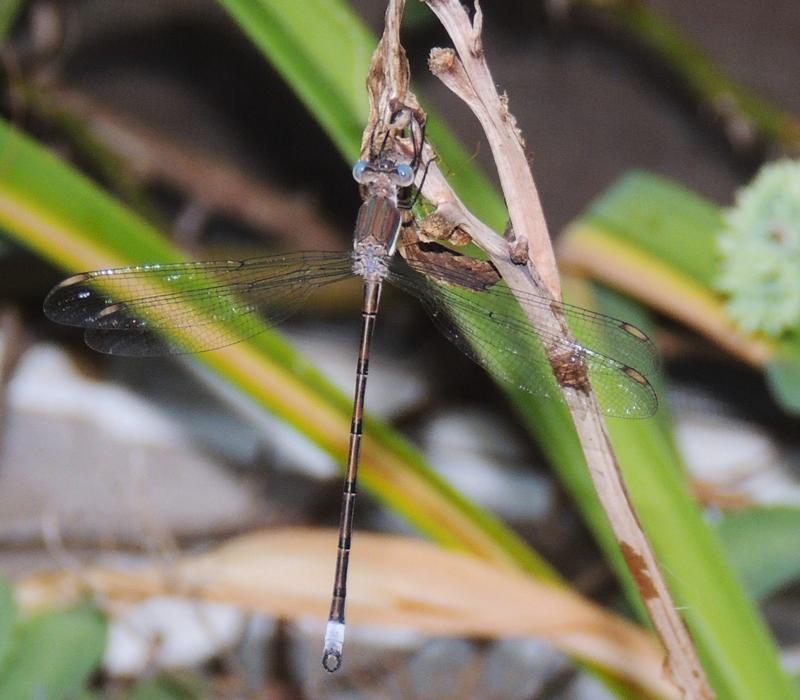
{"x":163,"y":309}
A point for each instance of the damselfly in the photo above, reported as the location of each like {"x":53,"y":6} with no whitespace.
{"x":189,"y":307}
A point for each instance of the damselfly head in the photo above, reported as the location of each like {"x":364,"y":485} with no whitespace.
{"x":381,"y":175}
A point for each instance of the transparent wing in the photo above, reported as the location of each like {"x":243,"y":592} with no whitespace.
{"x":489,"y":326}
{"x":179,"y":308}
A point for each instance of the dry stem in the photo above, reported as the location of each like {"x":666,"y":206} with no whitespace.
{"x":466,"y":73}
{"x":209,"y":183}
{"x":749,"y":122}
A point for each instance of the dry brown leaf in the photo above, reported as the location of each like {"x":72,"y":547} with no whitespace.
{"x":394,"y":581}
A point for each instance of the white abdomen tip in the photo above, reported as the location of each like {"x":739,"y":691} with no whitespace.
{"x":334,"y":642}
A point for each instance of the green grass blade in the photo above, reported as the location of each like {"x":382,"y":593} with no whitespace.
{"x":54,"y":654}
{"x":663,"y":219}
{"x":783,"y":378}
{"x":169,"y":687}
{"x":9,"y":10}
{"x":762,"y":544}
{"x":8,"y":615}
{"x":323,"y":52}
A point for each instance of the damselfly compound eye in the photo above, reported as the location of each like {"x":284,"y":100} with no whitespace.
{"x":359,"y":169}
{"x":405,"y":175}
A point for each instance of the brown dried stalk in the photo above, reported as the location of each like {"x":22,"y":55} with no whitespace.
{"x":210,"y":184}
{"x":466,"y":73}
{"x":441,"y":593}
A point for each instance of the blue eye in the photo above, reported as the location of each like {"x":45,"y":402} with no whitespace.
{"x":405,"y":175}
{"x":359,"y":169}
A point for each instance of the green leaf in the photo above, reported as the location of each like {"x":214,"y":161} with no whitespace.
{"x":664,"y":219}
{"x":9,"y":10}
{"x":762,"y":544}
{"x":8,"y":614}
{"x":783,"y":376}
{"x":322,"y":51}
{"x":54,"y":655}
{"x":169,"y":687}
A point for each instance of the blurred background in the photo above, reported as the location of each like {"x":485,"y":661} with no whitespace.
{"x":171,"y":109}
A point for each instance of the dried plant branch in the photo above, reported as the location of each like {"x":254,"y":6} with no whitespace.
{"x":466,"y":73}
{"x":208,"y":182}
{"x":389,"y":91}
{"x":441,"y":593}
{"x":748,"y":121}
{"x":388,"y":87}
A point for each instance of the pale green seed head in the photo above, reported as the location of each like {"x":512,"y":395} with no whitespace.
{"x":760,"y":248}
